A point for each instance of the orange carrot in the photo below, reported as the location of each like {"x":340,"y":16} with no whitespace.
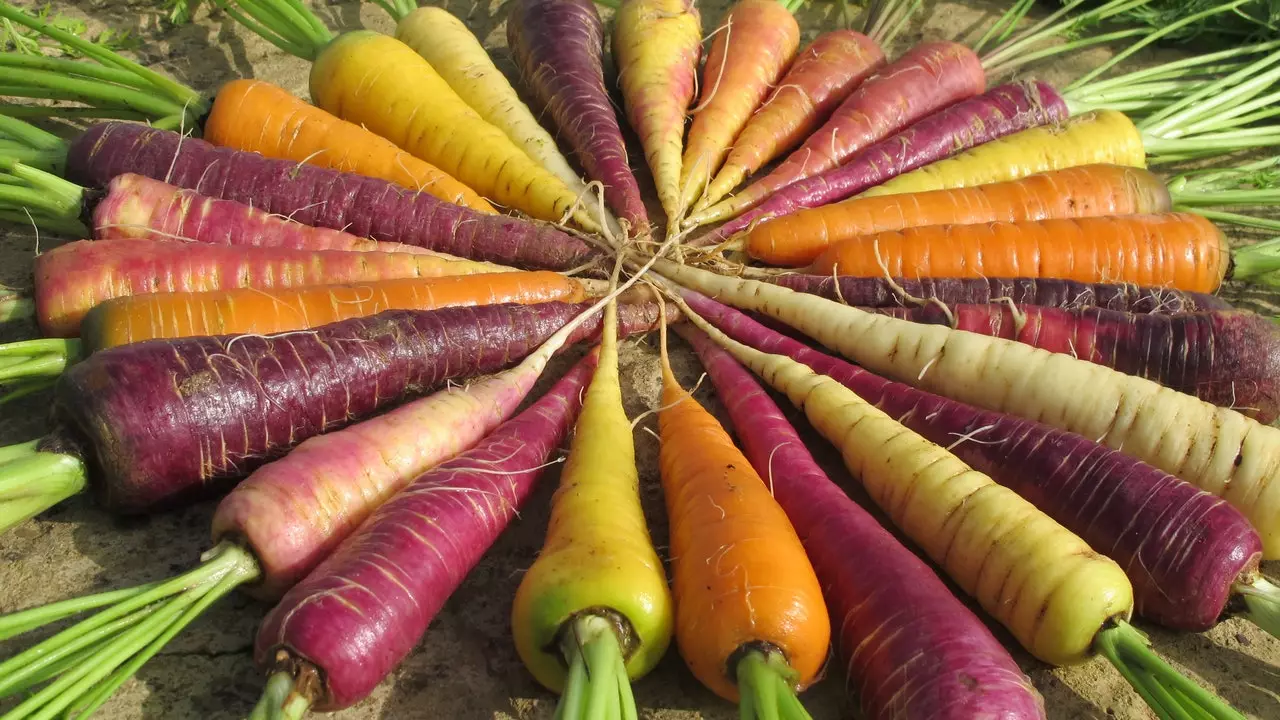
{"x":1179,"y":250}
{"x":754,"y":44}
{"x":748,"y":604}
{"x":822,"y":76}
{"x":259,"y":117}
{"x":248,"y":310}
{"x":1085,"y":191}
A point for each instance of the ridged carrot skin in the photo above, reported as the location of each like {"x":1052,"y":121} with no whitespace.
{"x":136,"y":206}
{"x":1177,"y":250}
{"x":357,"y":615}
{"x":754,"y":44}
{"x":1085,"y":191}
{"x":822,"y":76}
{"x":868,"y":578}
{"x":242,"y":401}
{"x":149,"y":316}
{"x":656,"y":46}
{"x":879,"y":292}
{"x":72,"y":278}
{"x":361,"y":205}
{"x":1091,"y":138}
{"x":558,"y":46}
{"x":969,"y":123}
{"x":256,"y":116}
{"x":1182,"y":548}
{"x":740,"y":576}
{"x":926,"y":79}
{"x":1228,"y":358}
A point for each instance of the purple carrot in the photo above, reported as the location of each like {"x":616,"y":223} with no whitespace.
{"x":998,"y":112}
{"x":557,"y":45}
{"x":312,"y":195}
{"x":1066,"y":294}
{"x":909,"y":647}
{"x":1185,"y":551}
{"x":1230,"y":358}
{"x":159,"y":422}
{"x":345,"y":627}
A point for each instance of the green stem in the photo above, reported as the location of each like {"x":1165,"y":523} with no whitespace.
{"x":33,"y":483}
{"x":66,"y":199}
{"x":1004,"y":25}
{"x":24,"y":389}
{"x":23,"y":621}
{"x":23,"y":197}
{"x":1014,"y":63}
{"x":1262,"y":604}
{"x":1175,"y":68}
{"x":71,"y":660}
{"x":1221,"y":216}
{"x":1256,"y":260}
{"x":30,"y":135}
{"x":608,"y":3}
{"x":13,"y":452}
{"x":397,"y":9}
{"x":765,"y":687}
{"x":597,"y":671}
{"x":1008,"y":55}
{"x":65,"y":67}
{"x":1252,"y":77}
{"x":71,"y":654}
{"x":14,"y":306}
{"x":279,"y":687}
{"x":287,"y":24}
{"x":70,"y":112}
{"x":1169,"y":693}
{"x":45,"y":357}
{"x":1211,"y":144}
{"x":56,"y":225}
{"x":52,"y":85}
{"x":1220,"y":198}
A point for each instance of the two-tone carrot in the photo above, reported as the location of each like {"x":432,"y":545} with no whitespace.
{"x":823,"y":75}
{"x":751,"y":623}
{"x":656,"y":46}
{"x":1184,"y":251}
{"x":753,"y":45}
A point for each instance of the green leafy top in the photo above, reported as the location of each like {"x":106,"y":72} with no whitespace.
{"x":19,"y":38}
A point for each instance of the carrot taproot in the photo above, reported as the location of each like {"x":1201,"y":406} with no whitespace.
{"x":594,"y":610}
{"x":926,"y":79}
{"x":889,"y":609}
{"x":824,"y":73}
{"x":1216,"y":449}
{"x":752,"y":47}
{"x":656,"y":47}
{"x":879,"y":292}
{"x":256,"y":116}
{"x":72,"y":278}
{"x":1184,"y":251}
{"x":1062,"y":600}
{"x":320,"y":197}
{"x":750,"y":620}
{"x":378,"y":82}
{"x":558,"y":47}
{"x":135,"y":318}
{"x":996,"y":113}
{"x":1100,"y":136}
{"x":1084,"y":191}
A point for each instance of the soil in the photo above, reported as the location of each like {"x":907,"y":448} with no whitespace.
{"x":466,"y":666}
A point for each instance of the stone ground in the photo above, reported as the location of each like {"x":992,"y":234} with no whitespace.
{"x":466,"y":666}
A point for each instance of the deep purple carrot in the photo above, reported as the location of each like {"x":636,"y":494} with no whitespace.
{"x":1186,"y":552}
{"x":558,"y":46}
{"x":998,"y":112}
{"x":909,"y":647}
{"x":1230,"y":358}
{"x":345,"y":627}
{"x":312,"y":195}
{"x":154,"y":424}
{"x":1066,"y":294}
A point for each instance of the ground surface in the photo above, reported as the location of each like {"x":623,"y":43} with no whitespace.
{"x":466,"y":666}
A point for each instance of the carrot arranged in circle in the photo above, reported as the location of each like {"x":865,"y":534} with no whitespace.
{"x":752,"y":47}
{"x":135,"y":318}
{"x":748,"y":604}
{"x":257,"y":116}
{"x":1085,"y":191}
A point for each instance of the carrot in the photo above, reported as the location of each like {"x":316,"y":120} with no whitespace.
{"x":256,"y":116}
{"x":926,"y":79}
{"x":870,"y":579}
{"x":454,"y":52}
{"x":1085,"y":191}
{"x":1178,"y":250}
{"x":1216,"y":449}
{"x":754,"y":44}
{"x":750,"y":620}
{"x":594,"y":609}
{"x":376,"y":81}
{"x":136,"y":318}
{"x":1060,"y":599}
{"x":656,"y":46}
{"x":822,"y":76}
{"x":72,"y":278}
